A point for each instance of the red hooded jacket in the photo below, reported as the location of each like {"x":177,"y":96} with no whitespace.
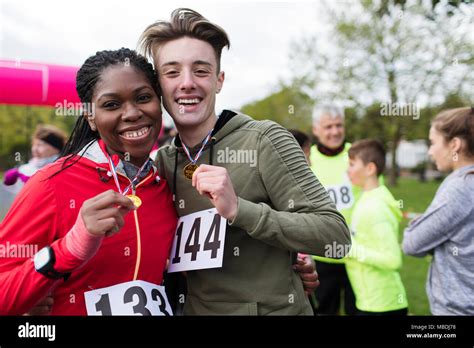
{"x":47,"y":208}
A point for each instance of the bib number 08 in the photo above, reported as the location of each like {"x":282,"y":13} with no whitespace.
{"x":341,"y":195}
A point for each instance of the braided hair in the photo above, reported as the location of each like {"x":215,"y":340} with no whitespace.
{"x":86,"y":80}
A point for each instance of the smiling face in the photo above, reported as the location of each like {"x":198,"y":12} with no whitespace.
{"x":127,"y":113}
{"x":187,"y":70}
{"x":330,"y":131}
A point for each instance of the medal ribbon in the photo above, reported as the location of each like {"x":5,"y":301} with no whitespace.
{"x":114,"y":174}
{"x":204,"y":142}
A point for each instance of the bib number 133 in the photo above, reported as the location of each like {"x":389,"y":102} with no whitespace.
{"x":132,"y":298}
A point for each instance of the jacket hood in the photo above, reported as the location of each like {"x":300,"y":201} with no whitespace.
{"x":391,"y":202}
{"x":95,"y":154}
{"x":227,"y":122}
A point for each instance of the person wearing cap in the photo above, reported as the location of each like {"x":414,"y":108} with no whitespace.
{"x":47,"y":143}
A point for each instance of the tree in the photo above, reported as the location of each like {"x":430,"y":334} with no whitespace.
{"x":289,"y":107}
{"x":392,"y":53}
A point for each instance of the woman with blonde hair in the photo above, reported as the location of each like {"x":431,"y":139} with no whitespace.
{"x":446,"y":229}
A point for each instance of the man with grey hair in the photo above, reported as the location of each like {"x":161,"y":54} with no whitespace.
{"x":329,"y":161}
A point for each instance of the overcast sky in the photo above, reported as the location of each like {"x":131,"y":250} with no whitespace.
{"x":67,"y":32}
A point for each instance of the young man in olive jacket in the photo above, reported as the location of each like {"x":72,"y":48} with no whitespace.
{"x":247,"y":200}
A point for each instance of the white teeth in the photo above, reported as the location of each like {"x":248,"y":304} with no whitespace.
{"x":188,"y":101}
{"x":135,"y":134}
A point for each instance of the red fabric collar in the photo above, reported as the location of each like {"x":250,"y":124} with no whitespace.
{"x":103,"y":147}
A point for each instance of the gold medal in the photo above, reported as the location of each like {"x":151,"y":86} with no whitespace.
{"x":189,"y":170}
{"x":137,"y":202}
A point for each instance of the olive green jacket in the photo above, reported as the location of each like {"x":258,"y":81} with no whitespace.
{"x":282,"y":209}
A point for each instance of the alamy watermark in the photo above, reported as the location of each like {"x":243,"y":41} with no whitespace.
{"x":240,"y":156}
{"x":18,"y":250}
{"x":338,"y":251}
{"x":66,"y":108}
{"x":28,"y":330}
{"x":400,"y":110}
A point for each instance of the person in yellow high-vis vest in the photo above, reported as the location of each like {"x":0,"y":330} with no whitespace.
{"x":329,"y":161}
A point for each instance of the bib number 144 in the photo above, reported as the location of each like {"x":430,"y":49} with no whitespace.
{"x":199,"y":242}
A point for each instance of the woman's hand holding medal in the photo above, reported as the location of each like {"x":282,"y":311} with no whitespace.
{"x":103,"y":214}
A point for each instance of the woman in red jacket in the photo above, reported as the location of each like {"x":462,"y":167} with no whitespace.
{"x":99,"y":220}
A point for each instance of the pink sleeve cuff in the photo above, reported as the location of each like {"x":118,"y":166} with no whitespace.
{"x":80,"y":242}
{"x":76,"y":248}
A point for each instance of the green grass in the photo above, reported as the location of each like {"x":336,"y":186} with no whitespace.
{"x":416,"y":197}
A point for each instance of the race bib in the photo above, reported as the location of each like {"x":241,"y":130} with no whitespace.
{"x":199,"y":242}
{"x":341,"y":195}
{"x":132,"y":298}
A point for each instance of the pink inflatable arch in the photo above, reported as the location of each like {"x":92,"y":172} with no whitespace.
{"x":28,"y":83}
